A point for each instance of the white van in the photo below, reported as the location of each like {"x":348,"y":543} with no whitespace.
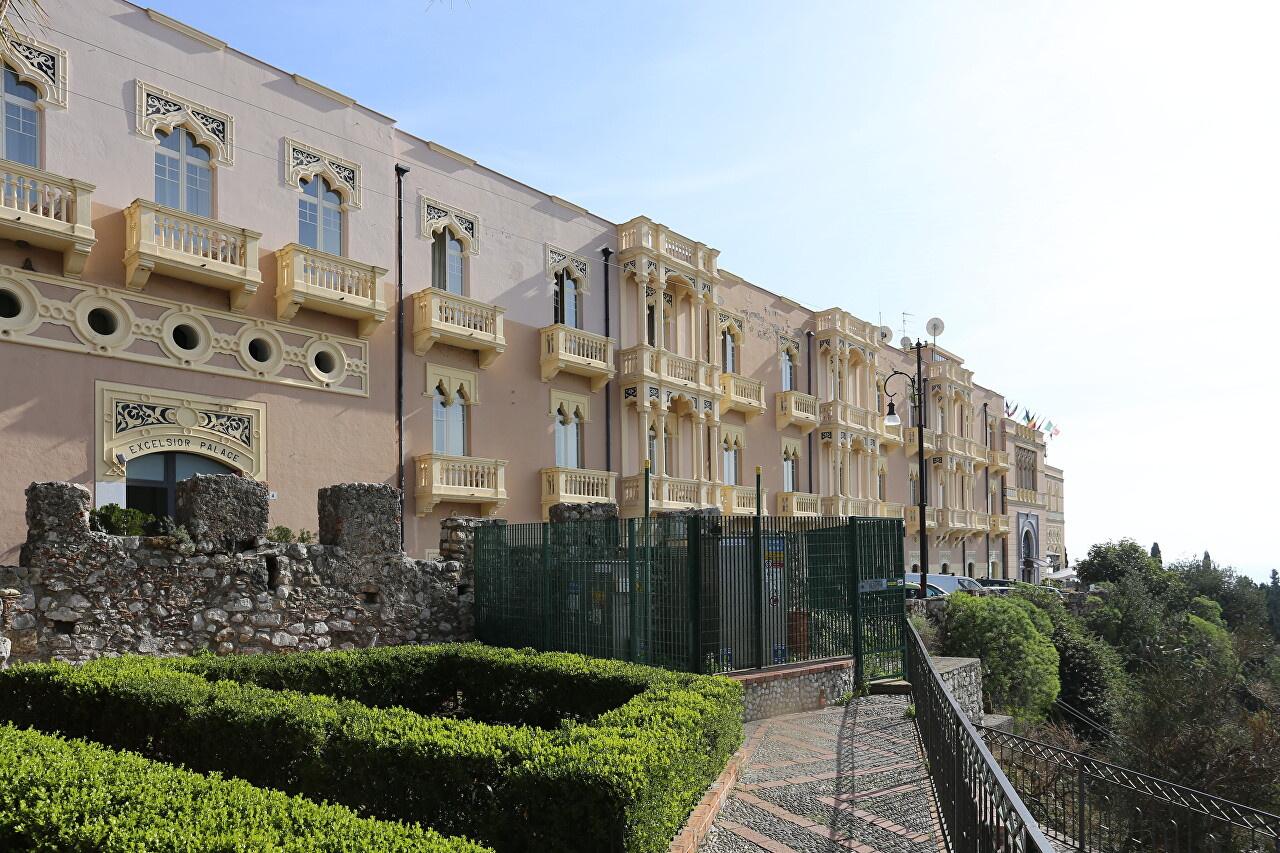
{"x":950,"y":583}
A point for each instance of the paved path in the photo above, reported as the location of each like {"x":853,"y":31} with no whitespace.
{"x":843,"y":779}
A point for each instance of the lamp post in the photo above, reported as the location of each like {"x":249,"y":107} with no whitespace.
{"x":891,"y":419}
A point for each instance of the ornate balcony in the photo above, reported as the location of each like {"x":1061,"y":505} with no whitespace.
{"x":798,"y":504}
{"x":309,"y":278}
{"x":888,"y":509}
{"x":911,"y":515}
{"x":741,"y":395}
{"x":839,"y":414}
{"x":839,"y":329}
{"x":912,"y":440}
{"x":668,"y":493}
{"x":981,"y":522}
{"x":1026,"y":496}
{"x":839,"y":506}
{"x":1000,"y":461}
{"x":741,"y":500}
{"x":1000,"y":524}
{"x":977,"y":451}
{"x":464,"y":479}
{"x":952,"y":372}
{"x":569,"y":350}
{"x":643,"y":234}
{"x":659,"y":365}
{"x":576,"y":486}
{"x":952,"y":444}
{"x":890,"y":436}
{"x":192,"y":248}
{"x":48,"y":211}
{"x":447,"y":318}
{"x":948,"y":519}
{"x":796,"y":408}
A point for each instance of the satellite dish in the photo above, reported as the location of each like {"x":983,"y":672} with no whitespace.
{"x":905,"y":343}
{"x":935,"y":326}
{"x":885,"y":333}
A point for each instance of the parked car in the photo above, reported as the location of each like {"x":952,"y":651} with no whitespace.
{"x":948,"y":583}
{"x":913,"y":590}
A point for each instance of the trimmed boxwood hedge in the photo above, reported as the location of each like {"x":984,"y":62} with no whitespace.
{"x":78,"y":797}
{"x":555,"y":751}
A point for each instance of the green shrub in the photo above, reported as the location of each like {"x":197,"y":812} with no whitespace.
{"x":636,"y":748}
{"x":1019,"y":662}
{"x":118,"y":521}
{"x":281,"y":534}
{"x":75,"y":796}
{"x":1092,"y":678}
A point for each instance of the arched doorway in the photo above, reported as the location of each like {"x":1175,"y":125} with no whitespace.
{"x":151,"y":480}
{"x":1028,"y":557}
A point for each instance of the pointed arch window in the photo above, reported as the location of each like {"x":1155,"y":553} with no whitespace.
{"x":788,"y":370}
{"x":732,"y":461}
{"x":320,"y":216}
{"x":448,"y":262}
{"x":568,"y":431}
{"x":568,"y":300}
{"x":652,"y":448}
{"x":728,"y":352}
{"x":184,"y":174}
{"x":790,"y":470}
{"x":449,"y":421}
{"x":21,"y":121}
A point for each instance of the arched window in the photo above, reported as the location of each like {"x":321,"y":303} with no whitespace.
{"x":651,"y":325}
{"x":790,"y":469}
{"x":448,"y":262}
{"x":320,"y":217}
{"x":568,"y":305}
{"x":151,"y":480}
{"x":568,"y":438}
{"x":668,"y":450}
{"x":21,"y":121}
{"x":946,"y":568}
{"x":728,"y":352}
{"x":184,"y":178}
{"x":653,"y":449}
{"x":880,"y":486}
{"x":732,"y":462}
{"x":449,"y":421}
{"x":788,"y":370}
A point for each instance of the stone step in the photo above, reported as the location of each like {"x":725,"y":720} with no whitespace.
{"x":896,"y":687}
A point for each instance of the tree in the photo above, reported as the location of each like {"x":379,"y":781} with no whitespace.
{"x":1208,"y":563}
{"x":1111,"y":561}
{"x":1019,"y":662}
{"x":1155,"y":553}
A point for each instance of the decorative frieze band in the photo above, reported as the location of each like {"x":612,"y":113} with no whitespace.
{"x":436,"y":215}
{"x":42,"y":65}
{"x":159,"y":109}
{"x":303,"y":162}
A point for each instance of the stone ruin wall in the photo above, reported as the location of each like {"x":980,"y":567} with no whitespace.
{"x":78,"y":595}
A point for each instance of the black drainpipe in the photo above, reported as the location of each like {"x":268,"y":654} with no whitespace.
{"x":608,"y":388}
{"x":401,"y":171}
{"x":808,"y":363}
{"x":986,"y":486}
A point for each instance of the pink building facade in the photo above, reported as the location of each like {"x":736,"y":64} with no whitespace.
{"x":210,"y":264}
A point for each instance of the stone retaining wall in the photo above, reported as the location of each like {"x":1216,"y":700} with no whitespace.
{"x":78,"y":595}
{"x":963,"y":679}
{"x":803,"y":687}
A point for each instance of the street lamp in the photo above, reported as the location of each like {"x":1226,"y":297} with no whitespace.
{"x":917,"y":387}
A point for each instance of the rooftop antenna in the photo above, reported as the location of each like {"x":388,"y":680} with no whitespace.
{"x":883,"y":334}
{"x":905,"y":315}
{"x":935,"y":327}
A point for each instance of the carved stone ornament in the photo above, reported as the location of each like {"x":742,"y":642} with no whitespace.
{"x":160,"y":110}
{"x":561,"y":260}
{"x":303,"y":162}
{"x":436,"y":216}
{"x":42,"y":65}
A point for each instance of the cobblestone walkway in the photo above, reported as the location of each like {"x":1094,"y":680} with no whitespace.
{"x":843,"y":779}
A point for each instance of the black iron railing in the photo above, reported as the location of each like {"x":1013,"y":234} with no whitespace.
{"x":1086,"y":804}
{"x":980,"y":810}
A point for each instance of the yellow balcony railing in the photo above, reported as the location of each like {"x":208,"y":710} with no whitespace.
{"x":911,"y":434}
{"x":911,"y":515}
{"x":798,"y":503}
{"x":951,"y":371}
{"x":192,"y":248}
{"x":1026,"y":496}
{"x":1000,"y":524}
{"x":741,"y":394}
{"x":999,"y":460}
{"x":652,"y":363}
{"x":48,"y":211}
{"x":890,"y":436}
{"x":448,"y":318}
{"x":569,"y":350}
{"x":577,"y":486}
{"x":462,"y":479}
{"x":741,"y":500}
{"x":668,"y":493}
{"x":837,"y":413}
{"x":840,"y":506}
{"x":888,"y":509}
{"x":796,"y":408}
{"x":953,"y":444}
{"x":309,"y":278}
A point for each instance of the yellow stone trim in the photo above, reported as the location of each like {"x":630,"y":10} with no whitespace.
{"x":570,"y":402}
{"x":574,"y":207}
{"x":450,"y":153}
{"x":453,"y":379}
{"x":47,"y":301}
{"x":792,"y":448}
{"x":186,"y":30}
{"x":133,"y":421}
{"x":28,"y":57}
{"x":319,"y":89}
{"x":188,"y":115}
{"x":734,"y":436}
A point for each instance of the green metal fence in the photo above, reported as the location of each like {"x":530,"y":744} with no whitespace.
{"x":699,"y":594}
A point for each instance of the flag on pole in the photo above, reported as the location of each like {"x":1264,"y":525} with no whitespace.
{"x":1010,"y":409}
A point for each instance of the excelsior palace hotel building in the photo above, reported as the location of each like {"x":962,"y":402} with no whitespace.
{"x":208,"y":264}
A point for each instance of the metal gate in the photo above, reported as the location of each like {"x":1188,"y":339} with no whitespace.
{"x":699,"y":594}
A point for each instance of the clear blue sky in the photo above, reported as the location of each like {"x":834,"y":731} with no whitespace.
{"x":1087,"y":192}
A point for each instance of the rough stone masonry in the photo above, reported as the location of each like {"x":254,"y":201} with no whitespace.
{"x":78,"y":595}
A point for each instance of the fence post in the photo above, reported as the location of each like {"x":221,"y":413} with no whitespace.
{"x":546,"y":587}
{"x":855,"y":580}
{"x":633,"y":594}
{"x":694,"y":545}
{"x":1082,"y":826}
{"x":757,"y":579}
